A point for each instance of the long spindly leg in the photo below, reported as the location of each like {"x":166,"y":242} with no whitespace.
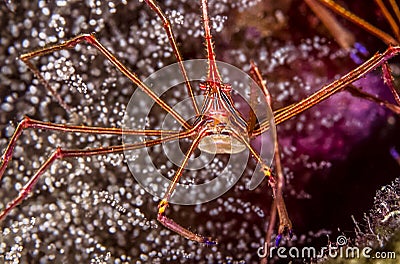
{"x":389,"y":40}
{"x":388,"y":79}
{"x":330,"y":89}
{"x":396,"y":8}
{"x":278,"y":204}
{"x":285,"y":225}
{"x":27,"y":123}
{"x":92,"y":40}
{"x":390,"y":19}
{"x":364,"y":95}
{"x":367,"y":96}
{"x":344,"y":37}
{"x":162,"y":206}
{"x":256,"y":75}
{"x":60,"y":153}
{"x":167,"y":26}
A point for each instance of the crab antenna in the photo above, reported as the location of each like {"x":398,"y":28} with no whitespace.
{"x":213,"y":74}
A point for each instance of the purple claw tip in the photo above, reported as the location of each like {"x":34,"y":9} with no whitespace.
{"x":355,"y":57}
{"x":394,"y":153}
{"x":209,"y":242}
{"x":278,"y":240}
{"x":360,"y":48}
{"x":279,"y":236}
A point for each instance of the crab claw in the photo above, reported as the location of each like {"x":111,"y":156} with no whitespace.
{"x":209,"y":242}
{"x":284,"y":231}
{"x":356,"y":51}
